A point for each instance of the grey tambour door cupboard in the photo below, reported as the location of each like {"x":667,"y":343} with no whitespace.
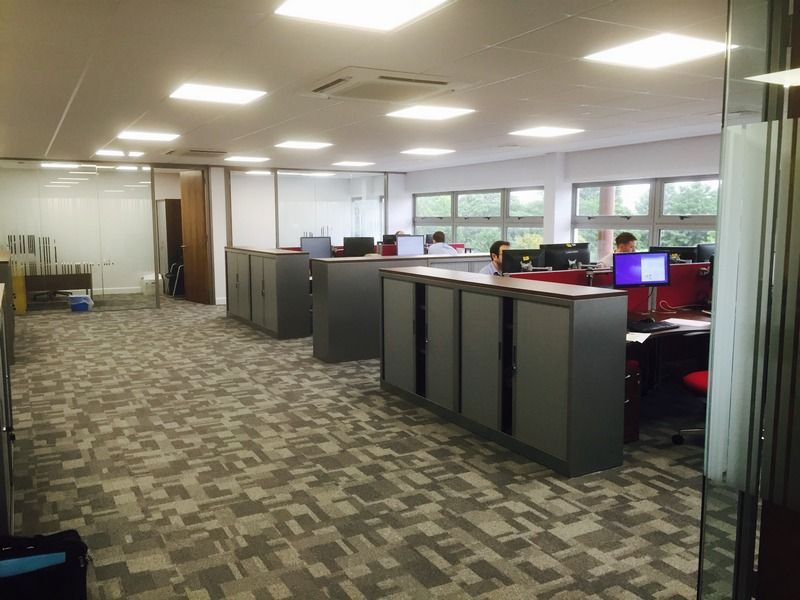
{"x":398,"y":334}
{"x":541,"y":376}
{"x":441,"y":348}
{"x":239,"y":284}
{"x":263,"y":302}
{"x":480,"y":358}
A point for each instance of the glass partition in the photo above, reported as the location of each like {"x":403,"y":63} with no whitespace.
{"x":334,"y":204}
{"x":253,"y":208}
{"x":79,"y":234}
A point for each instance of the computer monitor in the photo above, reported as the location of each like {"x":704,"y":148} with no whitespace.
{"x":565,"y":256}
{"x":677,"y":253}
{"x":640,"y":269}
{"x":389,"y":238}
{"x":517,"y":260}
{"x":429,"y":238}
{"x":358,"y":246}
{"x":410,"y":245}
{"x":705,"y":252}
{"x":317,"y":247}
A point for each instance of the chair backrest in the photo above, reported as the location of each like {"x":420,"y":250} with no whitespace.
{"x":697,"y":381}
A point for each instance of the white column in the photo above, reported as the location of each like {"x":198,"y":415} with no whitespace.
{"x":557,"y":201}
{"x":216,"y":192}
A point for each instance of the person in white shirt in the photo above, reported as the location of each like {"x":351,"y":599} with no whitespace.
{"x":439,"y":247}
{"x":495,"y":267}
{"x":624,"y":242}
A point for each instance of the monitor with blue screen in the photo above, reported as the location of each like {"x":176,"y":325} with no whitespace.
{"x":640,"y":269}
{"x":317,"y":247}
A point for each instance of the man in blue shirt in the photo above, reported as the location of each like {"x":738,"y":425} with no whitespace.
{"x":495,"y":267}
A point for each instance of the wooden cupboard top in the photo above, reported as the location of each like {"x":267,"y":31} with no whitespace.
{"x":497,"y":284}
{"x":5,"y":256}
{"x":267,"y":251}
{"x":435,"y":257}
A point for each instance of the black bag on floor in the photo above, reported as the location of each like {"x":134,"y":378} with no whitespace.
{"x":43,"y":567}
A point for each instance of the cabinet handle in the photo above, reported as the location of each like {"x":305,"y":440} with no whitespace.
{"x":514,"y":359}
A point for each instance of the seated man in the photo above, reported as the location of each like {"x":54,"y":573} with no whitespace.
{"x":495,"y":267}
{"x":624,"y":242}
{"x":439,"y":247}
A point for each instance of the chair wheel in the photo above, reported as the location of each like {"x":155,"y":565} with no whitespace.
{"x":677,"y":439}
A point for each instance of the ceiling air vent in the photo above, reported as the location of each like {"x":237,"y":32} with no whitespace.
{"x":197,"y":153}
{"x":359,"y":83}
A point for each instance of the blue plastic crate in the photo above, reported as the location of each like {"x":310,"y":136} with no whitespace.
{"x":80,"y":303}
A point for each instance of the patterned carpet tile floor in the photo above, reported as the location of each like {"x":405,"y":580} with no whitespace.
{"x":201,"y":459}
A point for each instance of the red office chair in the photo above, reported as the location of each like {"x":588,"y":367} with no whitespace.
{"x":697,"y":382}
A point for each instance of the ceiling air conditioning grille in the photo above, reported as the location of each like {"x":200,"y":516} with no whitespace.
{"x":359,"y":83}
{"x":197,"y":152}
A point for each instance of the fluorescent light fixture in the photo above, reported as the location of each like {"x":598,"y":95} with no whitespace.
{"x":147,"y":182}
{"x":83,"y":172}
{"x":136,"y":185}
{"x":303,"y":145}
{"x":430,"y":113}
{"x":307,"y":173}
{"x":106,"y":167}
{"x":352,"y":163}
{"x":135,"y":153}
{"x":73,"y":178}
{"x":127,"y":168}
{"x":88,"y":166}
{"x":545,"y":132}
{"x":59,"y":165}
{"x":114,"y":191}
{"x":215,"y":93}
{"x":255,"y":172}
{"x":785,"y":78}
{"x":148,"y":136}
{"x":658,"y":51}
{"x":106,"y":152}
{"x":68,"y":183}
{"x":145,"y":168}
{"x":368,"y":14}
{"x":247,"y":159}
{"x":56,"y":185}
{"x":427,"y":151}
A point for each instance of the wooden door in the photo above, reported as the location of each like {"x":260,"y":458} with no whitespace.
{"x":194,"y":224}
{"x":172,"y":214}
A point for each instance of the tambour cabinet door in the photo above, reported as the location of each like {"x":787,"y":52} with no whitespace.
{"x":399,"y":352}
{"x":541,"y":384}
{"x":481,"y":358}
{"x":243,"y":269}
{"x":271,"y":295}
{"x":233,"y":282}
{"x":441,"y":356}
{"x":257,"y":289}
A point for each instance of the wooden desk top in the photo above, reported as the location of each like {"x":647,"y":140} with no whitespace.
{"x":5,"y":256}
{"x":691,"y":314}
{"x":503,"y":284}
{"x":267,"y":251}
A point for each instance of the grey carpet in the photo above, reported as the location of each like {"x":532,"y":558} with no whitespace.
{"x":203,"y":460}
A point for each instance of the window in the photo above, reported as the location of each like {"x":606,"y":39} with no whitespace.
{"x":434,"y":205}
{"x":526,"y":203}
{"x":678,"y":211}
{"x":479,"y":204}
{"x":482,"y":217}
{"x":480,"y":239}
{"x":614,"y":199}
{"x":688,"y":197}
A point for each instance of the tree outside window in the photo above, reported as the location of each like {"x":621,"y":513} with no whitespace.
{"x":437,"y":205}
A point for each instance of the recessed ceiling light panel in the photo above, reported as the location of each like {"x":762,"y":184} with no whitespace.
{"x":427,"y":151}
{"x":247,"y":159}
{"x":135,"y":153}
{"x":215,"y":93}
{"x":430,"y":113}
{"x":108,"y":152}
{"x":59,"y":165}
{"x":303,"y":145}
{"x":148,"y":136}
{"x":546,"y":132}
{"x":127,"y":168}
{"x":369,"y":14}
{"x":788,"y":78}
{"x":352,"y":163}
{"x":257,"y":172}
{"x":658,"y":51}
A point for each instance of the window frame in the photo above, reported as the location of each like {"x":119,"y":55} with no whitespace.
{"x":504,"y":221}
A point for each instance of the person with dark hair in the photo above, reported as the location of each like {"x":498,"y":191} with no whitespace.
{"x":624,"y":242}
{"x":439,"y":247}
{"x":495,"y":267}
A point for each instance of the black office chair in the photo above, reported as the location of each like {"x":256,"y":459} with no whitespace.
{"x":173,"y":277}
{"x":697,"y":383}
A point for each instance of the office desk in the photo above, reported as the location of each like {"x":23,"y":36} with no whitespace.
{"x":535,"y":366}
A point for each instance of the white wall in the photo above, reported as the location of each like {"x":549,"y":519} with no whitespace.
{"x":216,"y":191}
{"x":253,"y":210}
{"x":400,"y":207}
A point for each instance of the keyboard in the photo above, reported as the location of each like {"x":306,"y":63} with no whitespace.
{"x":645,"y":327}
